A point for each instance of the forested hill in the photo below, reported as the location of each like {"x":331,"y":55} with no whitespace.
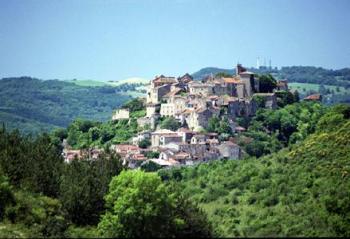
{"x":302,"y":190}
{"x":33,"y":105}
{"x":301,"y":74}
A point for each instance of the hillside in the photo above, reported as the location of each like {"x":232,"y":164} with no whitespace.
{"x":33,"y":105}
{"x":301,"y":191}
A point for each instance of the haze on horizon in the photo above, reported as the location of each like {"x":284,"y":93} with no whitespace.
{"x":110,"y":40}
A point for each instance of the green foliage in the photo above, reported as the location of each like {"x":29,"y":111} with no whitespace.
{"x":6,"y":195}
{"x":134,"y":105}
{"x":33,"y":105}
{"x":301,"y":191}
{"x":260,"y":101}
{"x":145,"y":143}
{"x":140,"y":205}
{"x":267,"y":83}
{"x":170,"y":123}
{"x":34,"y":164}
{"x":138,"y":114}
{"x":43,"y":216}
{"x":273,"y":129}
{"x":100,"y":134}
{"x":84,"y":184}
{"x":285,"y":98}
{"x":219,"y":126}
{"x":152,"y":154}
{"x":223,"y":74}
{"x":81,"y":232}
{"x":150,"y":166}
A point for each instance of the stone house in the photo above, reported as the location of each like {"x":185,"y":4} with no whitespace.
{"x":152,"y":109}
{"x":229,"y":150}
{"x":314,"y":97}
{"x":198,"y":119}
{"x":270,"y":99}
{"x":141,"y":136}
{"x":186,"y":134}
{"x":162,"y":80}
{"x":282,"y":85}
{"x":134,"y":160}
{"x":156,"y":137}
{"x":200,"y":88}
{"x":154,"y":95}
{"x":167,"y":109}
{"x":121,"y":114}
{"x":199,"y":139}
{"x":124,"y":149}
{"x":170,"y":138}
{"x":69,"y":155}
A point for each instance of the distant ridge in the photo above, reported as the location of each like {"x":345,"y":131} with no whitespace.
{"x":301,"y":74}
{"x":131,"y":80}
{"x":202,"y":73}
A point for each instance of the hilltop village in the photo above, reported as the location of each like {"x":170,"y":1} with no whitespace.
{"x":192,"y":104}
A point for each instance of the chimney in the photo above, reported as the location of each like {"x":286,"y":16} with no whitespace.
{"x":240,"y":69}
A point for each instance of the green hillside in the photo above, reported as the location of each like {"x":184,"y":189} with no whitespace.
{"x":34,"y":105}
{"x":300,"y":191}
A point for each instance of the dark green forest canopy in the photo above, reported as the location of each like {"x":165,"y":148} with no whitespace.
{"x":34,"y":105}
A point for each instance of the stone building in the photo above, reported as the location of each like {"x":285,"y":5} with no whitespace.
{"x":282,"y":85}
{"x":200,"y":88}
{"x":157,"y":135}
{"x":198,"y":119}
{"x":121,"y":114}
{"x":229,"y":150}
{"x":270,"y":99}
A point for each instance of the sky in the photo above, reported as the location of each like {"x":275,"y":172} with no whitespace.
{"x":112,"y":40}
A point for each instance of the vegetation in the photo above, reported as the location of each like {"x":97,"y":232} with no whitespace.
{"x":301,"y":191}
{"x":33,"y":105}
{"x":294,"y":181}
{"x":140,"y":205}
{"x":170,"y":123}
{"x":83,"y":186}
{"x":85,"y":134}
{"x":40,"y":195}
{"x":271,"y":130}
{"x":267,"y":83}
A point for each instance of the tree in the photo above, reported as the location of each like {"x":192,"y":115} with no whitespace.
{"x":170,"y":123}
{"x":222,"y":74}
{"x":224,"y":127}
{"x":296,"y":96}
{"x":213,"y":124}
{"x":145,"y":143}
{"x":140,"y":205}
{"x":267,"y":83}
{"x":6,"y":195}
{"x":133,"y":105}
{"x":84,"y":183}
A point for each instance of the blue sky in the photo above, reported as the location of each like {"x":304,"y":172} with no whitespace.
{"x":110,"y":40}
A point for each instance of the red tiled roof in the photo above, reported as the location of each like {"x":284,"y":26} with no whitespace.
{"x":313,"y":97}
{"x":239,"y":128}
{"x":231,"y":80}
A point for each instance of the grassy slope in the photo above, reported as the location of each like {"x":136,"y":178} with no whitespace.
{"x":88,"y":82}
{"x":132,"y":80}
{"x":315,"y":87}
{"x":301,"y":192}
